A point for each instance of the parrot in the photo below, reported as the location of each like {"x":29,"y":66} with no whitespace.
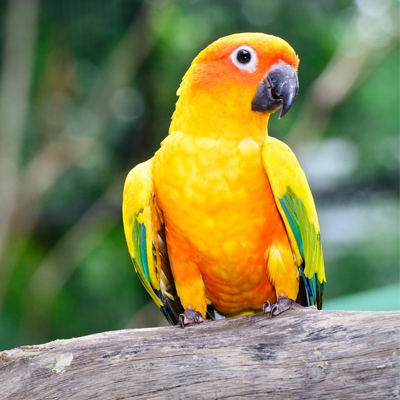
{"x":221,"y":221}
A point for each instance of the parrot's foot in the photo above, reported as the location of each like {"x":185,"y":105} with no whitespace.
{"x":281,"y":305}
{"x":190,"y":317}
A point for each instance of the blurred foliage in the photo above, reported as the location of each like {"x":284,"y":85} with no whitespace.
{"x":87,"y":89}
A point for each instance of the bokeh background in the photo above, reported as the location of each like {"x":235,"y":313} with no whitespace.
{"x":87,"y":88}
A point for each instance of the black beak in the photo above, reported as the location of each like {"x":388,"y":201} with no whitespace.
{"x":278,"y":89}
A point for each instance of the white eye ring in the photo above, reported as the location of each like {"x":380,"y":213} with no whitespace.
{"x":249,"y":66}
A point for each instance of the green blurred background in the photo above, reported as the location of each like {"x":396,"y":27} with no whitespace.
{"x":87,"y":88}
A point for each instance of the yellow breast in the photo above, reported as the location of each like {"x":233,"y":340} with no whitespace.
{"x":215,"y":192}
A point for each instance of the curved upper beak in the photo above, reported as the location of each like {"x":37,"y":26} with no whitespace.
{"x":278,"y":89}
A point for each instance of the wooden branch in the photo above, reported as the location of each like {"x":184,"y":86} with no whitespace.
{"x":298,"y":355}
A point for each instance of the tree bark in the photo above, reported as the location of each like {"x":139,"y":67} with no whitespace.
{"x":297,"y":355}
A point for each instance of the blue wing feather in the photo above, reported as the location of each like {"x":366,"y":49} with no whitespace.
{"x":295,"y":228}
{"x":313,"y":287}
{"x":143,"y":250}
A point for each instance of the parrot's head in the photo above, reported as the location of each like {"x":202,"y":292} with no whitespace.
{"x":238,"y":76}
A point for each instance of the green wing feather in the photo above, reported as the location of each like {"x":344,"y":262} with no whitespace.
{"x":296,"y":205}
{"x":143,"y":225}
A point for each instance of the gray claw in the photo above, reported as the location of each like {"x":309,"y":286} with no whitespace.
{"x":274,"y":308}
{"x":282,"y":304}
{"x":266,"y":307}
{"x":190,"y":317}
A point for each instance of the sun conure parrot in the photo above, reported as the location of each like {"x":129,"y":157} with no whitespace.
{"x":221,"y":221}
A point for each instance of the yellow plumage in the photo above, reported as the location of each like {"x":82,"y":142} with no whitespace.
{"x":240,"y":222}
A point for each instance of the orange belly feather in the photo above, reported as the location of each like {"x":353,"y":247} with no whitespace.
{"x":221,"y":220}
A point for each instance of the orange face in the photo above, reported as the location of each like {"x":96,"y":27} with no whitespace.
{"x":234,"y":69}
{"x":218,"y":62}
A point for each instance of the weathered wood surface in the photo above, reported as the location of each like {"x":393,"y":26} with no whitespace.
{"x":298,"y":355}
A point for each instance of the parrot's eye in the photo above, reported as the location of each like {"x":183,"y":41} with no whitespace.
{"x":245,"y":58}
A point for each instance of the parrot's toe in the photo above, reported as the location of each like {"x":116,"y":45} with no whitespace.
{"x":190,"y":317}
{"x":281,"y":305}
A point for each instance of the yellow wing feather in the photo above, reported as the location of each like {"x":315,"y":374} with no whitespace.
{"x":141,"y":224}
{"x":296,"y":205}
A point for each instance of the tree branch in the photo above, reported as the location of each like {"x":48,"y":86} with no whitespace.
{"x":301,"y":355}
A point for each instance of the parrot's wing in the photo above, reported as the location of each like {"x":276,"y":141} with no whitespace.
{"x":296,"y":205}
{"x":145,"y":236}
